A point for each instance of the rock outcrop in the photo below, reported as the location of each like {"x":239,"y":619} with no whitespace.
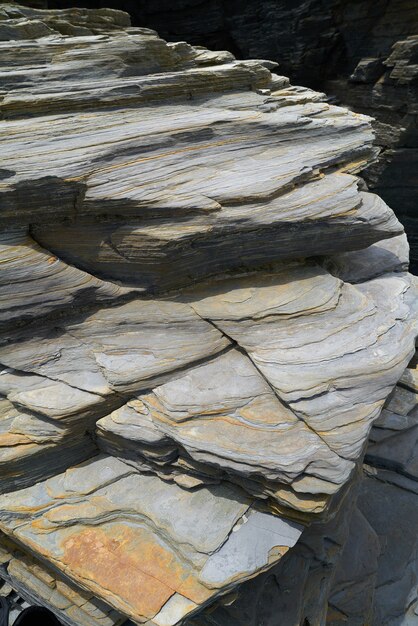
{"x":312,"y":39}
{"x":202,"y":314}
{"x":361,"y":51}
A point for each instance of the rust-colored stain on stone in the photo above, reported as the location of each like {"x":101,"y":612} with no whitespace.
{"x":107,"y":558}
{"x":139,"y":573}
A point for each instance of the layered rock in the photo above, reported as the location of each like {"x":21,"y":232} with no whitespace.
{"x":311,"y":39}
{"x":202,"y":316}
{"x":154,"y":551}
{"x":26,"y":578}
{"x":359,"y":568}
{"x":294,"y":441}
{"x":360,"y":51}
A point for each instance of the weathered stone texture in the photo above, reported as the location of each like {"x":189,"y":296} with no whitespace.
{"x":203,"y":314}
{"x":361,"y":51}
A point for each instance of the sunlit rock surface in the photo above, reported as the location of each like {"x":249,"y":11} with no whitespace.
{"x":361,"y":53}
{"x":202,"y":317}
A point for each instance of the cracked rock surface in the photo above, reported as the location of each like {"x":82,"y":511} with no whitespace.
{"x":202,"y":317}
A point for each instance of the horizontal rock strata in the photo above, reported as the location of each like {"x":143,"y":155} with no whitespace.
{"x":312,"y":430}
{"x":202,"y":315}
{"x":158,"y":549}
{"x":364,"y":569}
{"x":39,"y":584}
{"x":362,"y":52}
{"x":54,"y":286}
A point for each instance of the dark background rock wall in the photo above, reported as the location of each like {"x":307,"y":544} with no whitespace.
{"x":312,"y":39}
{"x":319,"y":44}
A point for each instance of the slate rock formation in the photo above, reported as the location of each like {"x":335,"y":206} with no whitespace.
{"x":362,"y":52}
{"x":202,"y":316}
{"x":312,"y":39}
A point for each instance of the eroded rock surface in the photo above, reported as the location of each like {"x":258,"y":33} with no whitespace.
{"x":202,"y":317}
{"x":361,"y":51}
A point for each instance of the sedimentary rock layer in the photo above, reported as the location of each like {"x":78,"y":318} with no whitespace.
{"x":152,"y":550}
{"x":53,"y":288}
{"x":39,"y":584}
{"x":289,"y":424}
{"x":161,"y":199}
{"x":364,"y":568}
{"x":362,"y":52}
{"x":194,"y":282}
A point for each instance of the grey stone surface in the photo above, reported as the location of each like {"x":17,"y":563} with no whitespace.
{"x":195,"y":281}
{"x":362,"y":52}
{"x":223,"y":420}
{"x":391,"y":255}
{"x":135,"y":541}
{"x":296,"y":591}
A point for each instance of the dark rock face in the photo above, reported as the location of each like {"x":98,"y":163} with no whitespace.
{"x":312,"y":39}
{"x":388,"y":90}
{"x":358,"y":50}
{"x":376,"y":578}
